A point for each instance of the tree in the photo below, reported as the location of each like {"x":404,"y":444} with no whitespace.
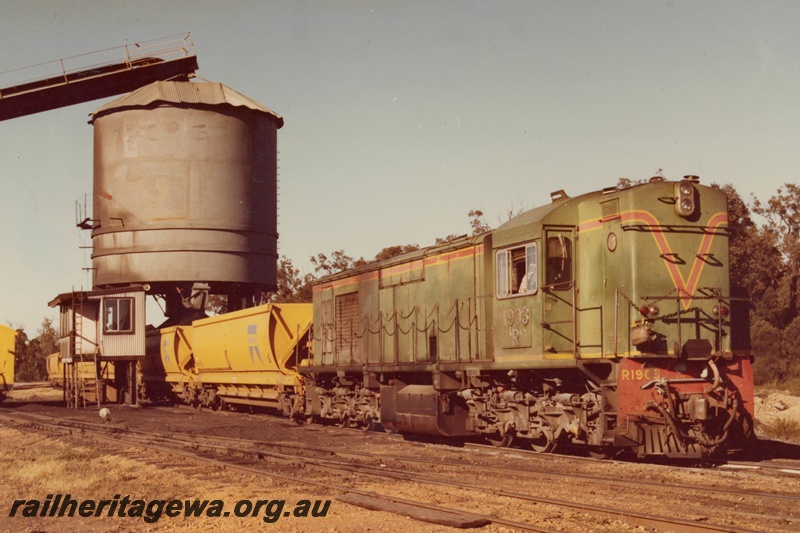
{"x":292,"y":286}
{"x":48,"y":337}
{"x":755,"y":262}
{"x":30,"y":359}
{"x":477,"y":223}
{"x":394,"y":251}
{"x":782,"y":213}
{"x":625,"y":183}
{"x":337,"y":262}
{"x":765,"y":260}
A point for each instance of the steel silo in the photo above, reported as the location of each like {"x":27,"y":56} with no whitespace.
{"x":185,"y":190}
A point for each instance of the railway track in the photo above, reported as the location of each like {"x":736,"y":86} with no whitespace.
{"x":770,"y":469}
{"x":435,"y":475}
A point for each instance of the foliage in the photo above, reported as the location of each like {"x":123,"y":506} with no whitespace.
{"x":30,"y":359}
{"x":476,"y":222}
{"x":753,"y":254}
{"x":337,"y":262}
{"x":765,"y":260}
{"x":293,"y":287}
{"x":394,"y":251}
{"x":625,"y":183}
{"x":782,"y":213}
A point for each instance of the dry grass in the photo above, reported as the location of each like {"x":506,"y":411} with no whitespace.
{"x":790,"y":386}
{"x":784,"y":428}
{"x":43,"y":465}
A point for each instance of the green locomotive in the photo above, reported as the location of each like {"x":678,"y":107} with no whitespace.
{"x":604,"y":320}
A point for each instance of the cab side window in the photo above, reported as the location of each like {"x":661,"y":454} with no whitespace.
{"x":559,"y":262}
{"x":517,"y":271}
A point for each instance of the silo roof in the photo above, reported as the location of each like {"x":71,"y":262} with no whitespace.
{"x":185,"y":92}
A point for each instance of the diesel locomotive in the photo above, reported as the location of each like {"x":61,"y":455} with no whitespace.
{"x":604,"y":321}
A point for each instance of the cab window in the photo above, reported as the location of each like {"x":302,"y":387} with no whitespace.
{"x":559,"y":262}
{"x":517,"y":271}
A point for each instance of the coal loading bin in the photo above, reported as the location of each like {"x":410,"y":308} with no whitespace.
{"x":185,"y":192}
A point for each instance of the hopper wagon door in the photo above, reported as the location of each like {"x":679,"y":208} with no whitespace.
{"x":559,"y":295}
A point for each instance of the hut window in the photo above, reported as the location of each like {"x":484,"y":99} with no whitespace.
{"x":118,"y":315}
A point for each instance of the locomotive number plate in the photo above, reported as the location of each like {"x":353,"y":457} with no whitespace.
{"x":517,"y":322}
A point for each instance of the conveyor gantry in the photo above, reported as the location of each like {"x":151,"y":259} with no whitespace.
{"x":96,"y":75}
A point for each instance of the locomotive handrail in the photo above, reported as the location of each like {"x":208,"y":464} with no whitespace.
{"x":702,"y":293}
{"x":653,"y":382}
{"x":575,"y":309}
{"x":355,"y":333}
{"x":554,"y":286}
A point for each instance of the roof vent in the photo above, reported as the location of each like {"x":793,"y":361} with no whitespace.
{"x":558,"y":195}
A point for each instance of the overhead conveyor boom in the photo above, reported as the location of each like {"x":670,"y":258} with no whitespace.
{"x":111,"y":72}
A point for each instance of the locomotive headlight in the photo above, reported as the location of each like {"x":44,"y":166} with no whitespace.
{"x":685,"y":199}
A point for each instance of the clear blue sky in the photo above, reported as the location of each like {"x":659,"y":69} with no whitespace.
{"x":403,"y":116}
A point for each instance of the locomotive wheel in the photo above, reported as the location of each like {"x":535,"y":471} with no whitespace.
{"x":544,"y":443}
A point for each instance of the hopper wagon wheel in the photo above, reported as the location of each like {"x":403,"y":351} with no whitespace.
{"x":503,"y":438}
{"x":369,"y":425}
{"x":310,"y":419}
{"x":500,"y":441}
{"x":344,"y":421}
